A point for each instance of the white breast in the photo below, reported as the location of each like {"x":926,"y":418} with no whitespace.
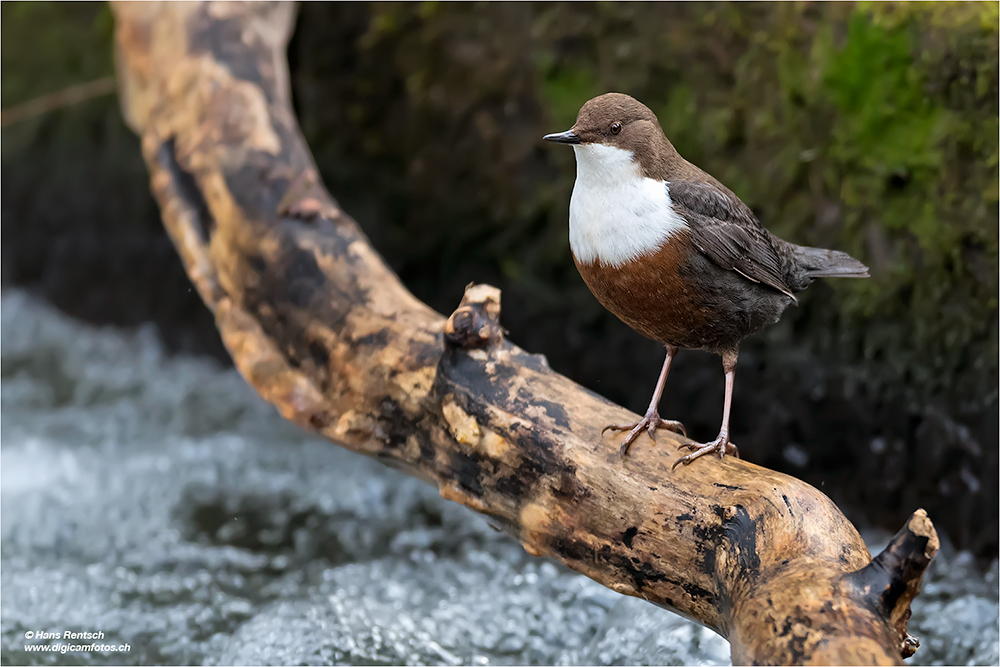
{"x":616,"y":214}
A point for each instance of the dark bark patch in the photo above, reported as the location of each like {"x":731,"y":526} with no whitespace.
{"x":537,"y":460}
{"x":698,"y":592}
{"x":378,"y":338}
{"x":319,"y":354}
{"x":513,"y":486}
{"x":467,"y":471}
{"x":257,"y":264}
{"x":302,"y":278}
{"x":471,"y":375}
{"x":254,"y":188}
{"x":573,"y":550}
{"x":427,"y":450}
{"x":727,"y":486}
{"x":223,"y":39}
{"x":393,"y":425}
{"x":555,"y":412}
{"x":535,"y":362}
{"x":570,"y":488}
{"x":320,"y":420}
{"x":795,"y":643}
{"x":289,"y":292}
{"x":845,"y":554}
{"x":187,"y":188}
{"x":641,"y":572}
{"x":425,"y":354}
{"x":495,"y":387}
{"x":707,"y":564}
{"x":629,"y":535}
{"x":741,"y":533}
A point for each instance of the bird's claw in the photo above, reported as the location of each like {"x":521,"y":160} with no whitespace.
{"x":649,"y":423}
{"x":720,"y":445}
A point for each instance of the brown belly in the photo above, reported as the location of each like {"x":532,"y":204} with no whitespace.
{"x":677,"y":296}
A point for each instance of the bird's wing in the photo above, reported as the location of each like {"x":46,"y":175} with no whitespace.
{"x":725,"y":230}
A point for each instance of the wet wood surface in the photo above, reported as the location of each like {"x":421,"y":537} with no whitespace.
{"x":322,"y":328}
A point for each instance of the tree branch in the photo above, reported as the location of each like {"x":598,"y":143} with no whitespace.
{"x":324,"y":330}
{"x":80,"y":92}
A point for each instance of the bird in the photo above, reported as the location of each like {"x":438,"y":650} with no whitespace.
{"x":674,"y":253}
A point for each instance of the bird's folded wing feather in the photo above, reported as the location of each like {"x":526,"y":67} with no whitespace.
{"x":725,"y":230}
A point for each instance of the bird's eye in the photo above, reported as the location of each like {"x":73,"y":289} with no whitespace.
{"x":616,"y":128}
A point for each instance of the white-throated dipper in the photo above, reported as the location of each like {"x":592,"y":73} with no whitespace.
{"x":673,"y":252}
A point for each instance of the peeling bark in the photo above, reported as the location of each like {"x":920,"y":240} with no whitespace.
{"x":323,"y":329}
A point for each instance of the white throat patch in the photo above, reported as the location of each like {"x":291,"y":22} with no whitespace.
{"x":616,"y":214}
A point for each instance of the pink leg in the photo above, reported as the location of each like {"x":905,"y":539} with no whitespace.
{"x":721,"y":444}
{"x":651,"y":421}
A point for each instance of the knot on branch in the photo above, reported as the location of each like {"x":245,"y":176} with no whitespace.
{"x":476,"y":322}
{"x":306,"y":199}
{"x":892,"y":579}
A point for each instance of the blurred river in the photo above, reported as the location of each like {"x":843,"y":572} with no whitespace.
{"x":158,"y":500}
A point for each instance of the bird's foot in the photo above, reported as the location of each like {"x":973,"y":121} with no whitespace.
{"x":649,"y":423}
{"x":721,"y":445}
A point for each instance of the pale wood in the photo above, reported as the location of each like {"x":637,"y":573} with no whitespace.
{"x":321,"y":327}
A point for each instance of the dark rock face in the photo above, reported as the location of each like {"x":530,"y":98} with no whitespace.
{"x":425,"y":121}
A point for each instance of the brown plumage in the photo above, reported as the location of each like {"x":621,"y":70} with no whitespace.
{"x":674,"y":253}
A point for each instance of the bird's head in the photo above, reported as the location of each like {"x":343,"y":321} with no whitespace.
{"x":612,"y":119}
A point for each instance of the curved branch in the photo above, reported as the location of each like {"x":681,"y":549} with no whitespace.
{"x":322,"y":328}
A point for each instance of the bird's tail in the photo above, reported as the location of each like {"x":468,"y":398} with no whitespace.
{"x":823,"y":263}
{"x":803,"y":265}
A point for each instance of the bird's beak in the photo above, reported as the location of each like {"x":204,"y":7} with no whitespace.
{"x":567,"y":137}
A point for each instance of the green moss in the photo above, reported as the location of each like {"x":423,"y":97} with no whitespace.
{"x":903,"y":150}
{"x":48,"y":46}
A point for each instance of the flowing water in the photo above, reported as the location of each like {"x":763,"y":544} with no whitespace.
{"x":158,"y":500}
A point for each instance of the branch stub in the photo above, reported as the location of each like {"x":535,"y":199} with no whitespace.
{"x":475,"y":324}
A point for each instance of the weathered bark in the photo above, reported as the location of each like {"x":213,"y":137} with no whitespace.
{"x":318,"y":324}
